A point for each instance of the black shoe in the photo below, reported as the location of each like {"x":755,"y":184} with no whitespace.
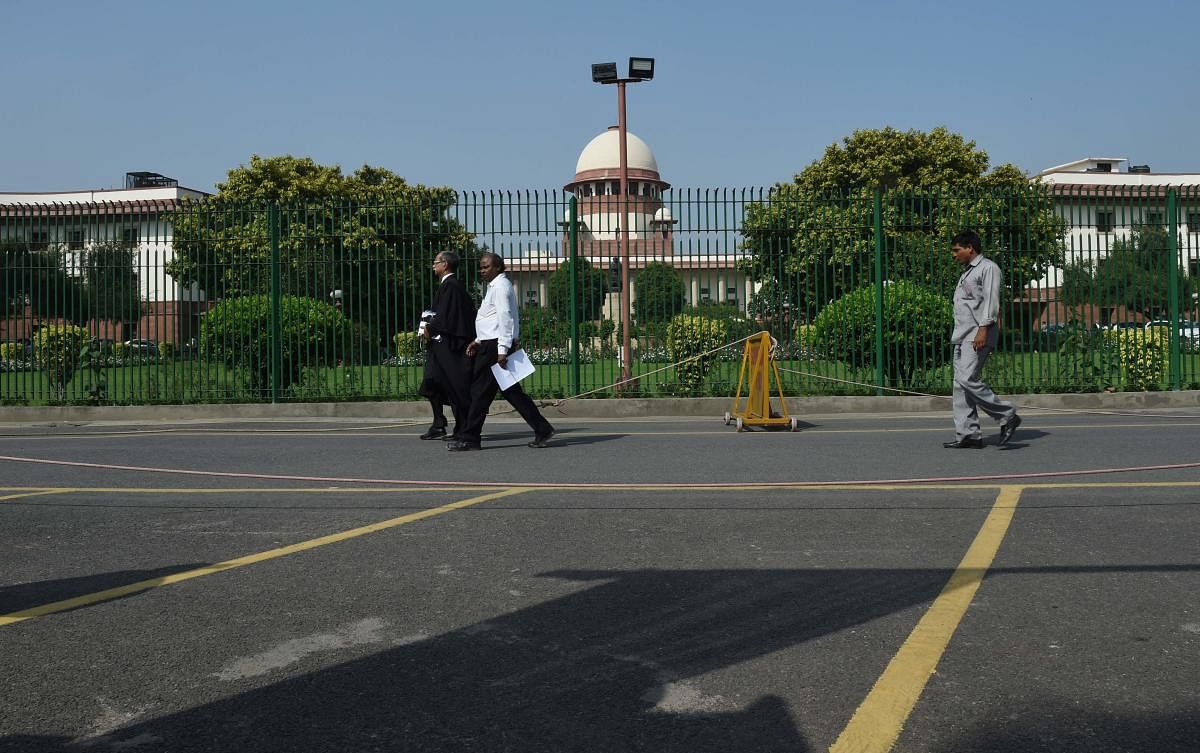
{"x":450,"y":437}
{"x":1009,"y":428}
{"x":434,"y":432}
{"x":461,"y":446}
{"x":966,"y":443}
{"x":540,"y":440}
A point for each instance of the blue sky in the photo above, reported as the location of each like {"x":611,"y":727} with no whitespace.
{"x":498,"y":95}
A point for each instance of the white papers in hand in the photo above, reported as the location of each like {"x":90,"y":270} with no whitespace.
{"x":515,"y":369}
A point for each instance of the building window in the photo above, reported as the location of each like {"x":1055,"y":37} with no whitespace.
{"x":731,"y":295}
{"x":704,"y":295}
{"x":1194,"y":267}
{"x":1152,"y":218}
{"x":531,"y":297}
{"x":129,"y":236}
{"x":1193,"y":222}
{"x":74,"y":240}
{"x":39,"y":238}
{"x":1106,"y":220}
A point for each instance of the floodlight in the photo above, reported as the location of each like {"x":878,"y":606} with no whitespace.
{"x":641,"y":68}
{"x":604,"y":73}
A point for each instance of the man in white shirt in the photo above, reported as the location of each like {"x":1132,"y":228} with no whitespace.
{"x":497,"y":329}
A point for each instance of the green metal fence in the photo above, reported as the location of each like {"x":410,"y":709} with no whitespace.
{"x":213,"y":302}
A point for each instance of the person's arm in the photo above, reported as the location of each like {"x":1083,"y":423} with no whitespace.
{"x":507,"y":321}
{"x":989,"y":306}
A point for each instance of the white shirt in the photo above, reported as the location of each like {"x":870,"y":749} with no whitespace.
{"x":497,"y":317}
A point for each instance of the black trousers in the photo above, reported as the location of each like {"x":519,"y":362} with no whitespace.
{"x":483,"y":392}
{"x":447,"y":380}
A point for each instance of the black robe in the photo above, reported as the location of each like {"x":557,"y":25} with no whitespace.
{"x":447,"y":367}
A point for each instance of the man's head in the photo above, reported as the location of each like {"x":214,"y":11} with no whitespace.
{"x":965,"y":246}
{"x":445,"y":263}
{"x":490,"y":265}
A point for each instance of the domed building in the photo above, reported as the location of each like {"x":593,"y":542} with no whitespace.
{"x":708,"y":275}
{"x":597,"y":186}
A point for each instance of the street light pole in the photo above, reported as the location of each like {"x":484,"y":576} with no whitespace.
{"x":623,"y":239}
{"x":640,"y":69}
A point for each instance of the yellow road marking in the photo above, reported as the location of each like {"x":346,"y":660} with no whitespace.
{"x":249,"y":559}
{"x":877,"y":723}
{"x":31,"y":493}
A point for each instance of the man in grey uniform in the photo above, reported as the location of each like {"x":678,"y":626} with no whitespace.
{"x":976,"y":331}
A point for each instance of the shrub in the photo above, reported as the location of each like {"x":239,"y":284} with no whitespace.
{"x":237,"y":332}
{"x":57,"y":349}
{"x":120,"y":351}
{"x":917,"y":323}
{"x":688,"y":337}
{"x":406,"y":344}
{"x":1143,"y":353}
{"x":659,"y":293}
{"x":591,"y":284}
{"x":606,"y":329}
{"x":12,"y":352}
{"x":738,"y":325}
{"x":540,"y":328}
{"x":166,"y":350}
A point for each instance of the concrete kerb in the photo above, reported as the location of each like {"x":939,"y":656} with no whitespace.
{"x":586,"y":408}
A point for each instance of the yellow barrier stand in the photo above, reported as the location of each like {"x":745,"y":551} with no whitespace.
{"x":755,"y":376}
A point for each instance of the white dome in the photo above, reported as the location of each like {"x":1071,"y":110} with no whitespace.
{"x":664,"y":215}
{"x":604,"y":152}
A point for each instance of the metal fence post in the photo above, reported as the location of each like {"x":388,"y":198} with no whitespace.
{"x":878,"y":212}
{"x":276,"y":334}
{"x":574,"y":288}
{"x":1174,"y":348}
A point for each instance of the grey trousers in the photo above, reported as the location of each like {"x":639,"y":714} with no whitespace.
{"x":971,"y":395}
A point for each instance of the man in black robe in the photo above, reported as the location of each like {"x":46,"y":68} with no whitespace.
{"x":448,"y":327}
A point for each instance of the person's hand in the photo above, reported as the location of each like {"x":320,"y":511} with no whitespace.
{"x":980,"y":341}
{"x":502,"y":359}
{"x":472,"y":347}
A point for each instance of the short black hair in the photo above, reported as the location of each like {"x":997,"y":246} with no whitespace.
{"x":968,"y":239}
{"x":497,"y":259}
{"x":451,"y":259}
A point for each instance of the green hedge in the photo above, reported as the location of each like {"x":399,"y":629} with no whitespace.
{"x":237,"y":333}
{"x":917,"y":323}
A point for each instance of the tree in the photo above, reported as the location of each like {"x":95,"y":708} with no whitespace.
{"x":110,"y":273}
{"x":15,"y":271}
{"x":1133,"y":275}
{"x":590,"y":283}
{"x":369,"y":234}
{"x":55,"y":290}
{"x":659,"y":293}
{"x":816,"y":235}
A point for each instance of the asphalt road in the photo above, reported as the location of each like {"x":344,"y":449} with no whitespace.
{"x":635,"y":586}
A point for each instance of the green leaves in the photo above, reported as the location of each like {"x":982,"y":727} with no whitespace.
{"x":817,"y":235}
{"x":659,"y":293}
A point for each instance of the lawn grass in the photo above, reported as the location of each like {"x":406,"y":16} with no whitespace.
{"x":180,"y":382}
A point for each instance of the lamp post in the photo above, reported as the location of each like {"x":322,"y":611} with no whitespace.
{"x":640,"y":69}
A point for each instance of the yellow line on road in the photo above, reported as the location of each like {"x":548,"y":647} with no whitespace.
{"x":877,"y":723}
{"x":32,"y":493}
{"x":249,"y":559}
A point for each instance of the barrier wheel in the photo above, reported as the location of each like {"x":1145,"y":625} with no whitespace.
{"x":795,"y":424}
{"x":739,"y":424}
{"x":728,"y":418}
